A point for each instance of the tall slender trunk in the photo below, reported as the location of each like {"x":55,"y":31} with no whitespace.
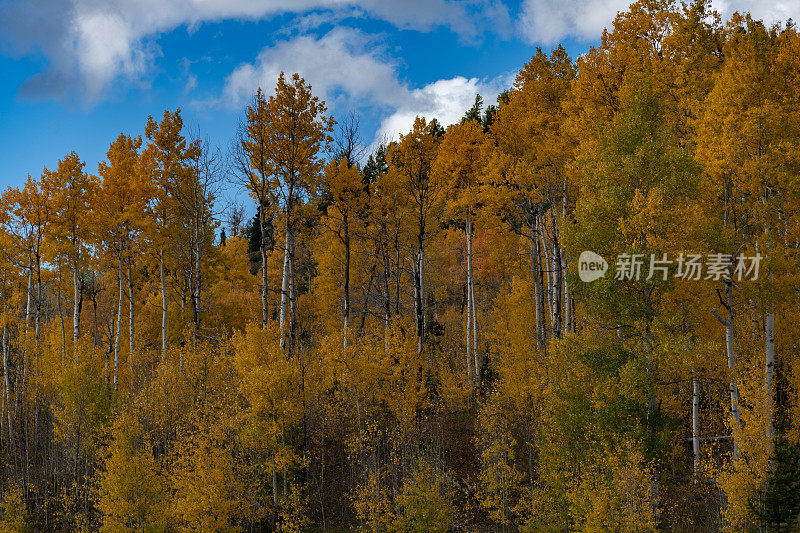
{"x":292,"y":298}
{"x":285,"y":281}
{"x":198,"y":281}
{"x":163,"y":305}
{"x":769,"y":373}
{"x":538,"y":291}
{"x":76,"y":308}
{"x":115,"y":378}
{"x":695,"y":425}
{"x":769,"y":322}
{"x":61,"y":319}
{"x":476,"y":356}
{"x":387,"y":297}
{"x":95,"y":325}
{"x":549,"y":275}
{"x":38,"y":318}
{"x":6,"y":382}
{"x":731,"y":353}
{"x":729,"y":345}
{"x":131,"y":318}
{"x":346,"y":310}
{"x":569,"y":315}
{"x":284,"y":291}
{"x":29,"y":294}
{"x":264,"y":286}
{"x":387,"y":303}
{"x":468,"y":232}
{"x":558,"y":279}
{"x":419,"y":299}
{"x":475,"y":353}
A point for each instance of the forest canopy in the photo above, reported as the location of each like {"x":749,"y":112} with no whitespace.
{"x":408,"y":339}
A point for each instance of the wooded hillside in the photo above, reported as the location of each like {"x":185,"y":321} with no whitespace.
{"x":402,"y":340}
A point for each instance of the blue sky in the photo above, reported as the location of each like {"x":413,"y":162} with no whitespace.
{"x":76,"y":73}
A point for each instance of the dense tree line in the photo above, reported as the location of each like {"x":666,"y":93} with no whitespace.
{"x":404,"y":340}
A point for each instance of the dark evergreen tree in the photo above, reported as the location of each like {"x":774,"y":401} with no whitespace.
{"x":252,"y":232}
{"x":437,"y":130}
{"x":474,"y":112}
{"x":376,"y":166}
{"x":488,"y":118}
{"x":777,"y":504}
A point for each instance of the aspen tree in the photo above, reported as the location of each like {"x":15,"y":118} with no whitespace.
{"x":72,"y":193}
{"x":117,"y":212}
{"x":410,"y":164}
{"x":165,"y":159}
{"x":297,"y":134}
{"x":251,"y":158}
{"x":460,"y":160}
{"x":344,"y":183}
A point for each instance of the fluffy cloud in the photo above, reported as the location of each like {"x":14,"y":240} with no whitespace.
{"x":770,"y":11}
{"x":548,"y":21}
{"x":445,"y":100}
{"x":344,"y":62}
{"x":349,"y":67}
{"x":89,"y":43}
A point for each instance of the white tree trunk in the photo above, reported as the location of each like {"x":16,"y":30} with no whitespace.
{"x":115,"y":378}
{"x":420,"y":297}
{"x":198,"y":281}
{"x":76,"y":309}
{"x":734,"y":389}
{"x":61,"y":319}
{"x":538,"y":290}
{"x":731,"y":352}
{"x":38,"y":318}
{"x":29,"y":294}
{"x":131,"y":319}
{"x":6,"y":382}
{"x":163,"y":306}
{"x":549,"y":273}
{"x":558,"y":280}
{"x":569,"y":326}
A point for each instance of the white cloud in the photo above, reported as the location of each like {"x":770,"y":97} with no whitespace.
{"x":345,"y":62}
{"x":349,"y":67}
{"x":770,"y":11}
{"x":445,"y":100}
{"x":92,"y":42}
{"x":549,"y":21}
{"x":104,"y":46}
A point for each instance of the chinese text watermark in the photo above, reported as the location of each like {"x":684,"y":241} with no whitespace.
{"x":686,"y":266}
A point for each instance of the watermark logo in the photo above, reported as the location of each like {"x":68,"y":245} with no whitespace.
{"x":591,"y":266}
{"x":687,"y":266}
